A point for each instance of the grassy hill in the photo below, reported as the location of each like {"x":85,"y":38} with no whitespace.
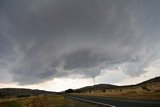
{"x":153,"y":80}
{"x":95,"y":88}
{"x":149,"y":89}
{"x":103,"y":87}
{"x":13,"y":97}
{"x":20,"y":92}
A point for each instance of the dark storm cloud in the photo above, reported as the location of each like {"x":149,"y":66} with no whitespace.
{"x":43,"y":39}
{"x":82,"y":59}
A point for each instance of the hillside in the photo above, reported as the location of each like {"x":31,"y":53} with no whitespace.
{"x":96,"y":87}
{"x":18,"y":92}
{"x":103,"y":87}
{"x":153,"y":80}
{"x":149,"y":89}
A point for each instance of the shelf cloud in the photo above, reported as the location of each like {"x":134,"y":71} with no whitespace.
{"x":45,"y":39}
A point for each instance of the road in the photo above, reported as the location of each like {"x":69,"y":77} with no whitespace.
{"x":107,"y":102}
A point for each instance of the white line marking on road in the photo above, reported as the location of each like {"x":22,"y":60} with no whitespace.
{"x":89,"y":101}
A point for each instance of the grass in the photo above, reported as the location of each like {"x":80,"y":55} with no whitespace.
{"x":10,"y":104}
{"x":143,"y":92}
{"x":43,"y":101}
{"x":35,"y":101}
{"x":75,"y":103}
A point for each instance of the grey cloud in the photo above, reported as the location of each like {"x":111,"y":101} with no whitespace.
{"x":43,"y":39}
{"x":82,"y":59}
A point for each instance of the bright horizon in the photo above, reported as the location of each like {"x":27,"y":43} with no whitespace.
{"x":61,"y":44}
{"x":58,"y":85}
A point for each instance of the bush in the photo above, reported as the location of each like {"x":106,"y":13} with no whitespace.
{"x":69,"y":91}
{"x":145,"y":88}
{"x":104,"y":90}
{"x":19,"y":96}
{"x":157,"y":91}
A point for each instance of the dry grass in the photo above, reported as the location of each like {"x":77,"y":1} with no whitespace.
{"x":43,"y":101}
{"x":35,"y":101}
{"x":75,"y":103}
{"x":143,"y":92}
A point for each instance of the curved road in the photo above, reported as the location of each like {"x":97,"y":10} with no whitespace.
{"x":106,"y":102}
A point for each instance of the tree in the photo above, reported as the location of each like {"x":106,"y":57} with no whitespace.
{"x":69,"y":91}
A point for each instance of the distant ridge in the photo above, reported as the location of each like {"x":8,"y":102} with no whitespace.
{"x":152,"y":80}
{"x":21,"y":92}
{"x":97,"y":87}
{"x":109,"y":86}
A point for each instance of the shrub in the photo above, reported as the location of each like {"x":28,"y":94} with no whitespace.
{"x":19,"y":96}
{"x":69,"y":91}
{"x":145,"y":88}
{"x":104,"y":90}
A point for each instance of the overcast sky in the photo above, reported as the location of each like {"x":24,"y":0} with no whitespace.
{"x":60,"y":44}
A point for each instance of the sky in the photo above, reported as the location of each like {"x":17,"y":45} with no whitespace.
{"x":59,"y":44}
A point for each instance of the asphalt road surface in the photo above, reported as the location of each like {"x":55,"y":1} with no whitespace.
{"x":107,"y":102}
